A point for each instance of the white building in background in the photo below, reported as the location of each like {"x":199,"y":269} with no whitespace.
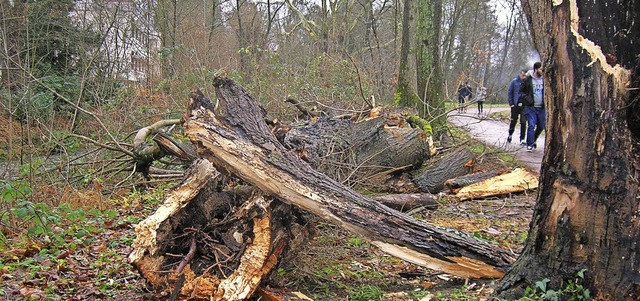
{"x":130,"y":43}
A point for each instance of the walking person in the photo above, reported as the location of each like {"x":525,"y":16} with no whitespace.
{"x":517,"y":111}
{"x":480,"y":98}
{"x":464,"y":91}
{"x":532,"y":98}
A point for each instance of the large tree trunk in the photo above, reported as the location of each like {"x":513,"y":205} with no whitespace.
{"x":355,"y":153}
{"x":431,"y":178}
{"x":586,"y":216}
{"x":236,"y":139}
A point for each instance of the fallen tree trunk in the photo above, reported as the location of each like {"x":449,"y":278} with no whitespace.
{"x":236,"y":139}
{"x":457,"y":183}
{"x":230,"y":240}
{"x":431,"y":178}
{"x":408,"y":201}
{"x":355,"y":152}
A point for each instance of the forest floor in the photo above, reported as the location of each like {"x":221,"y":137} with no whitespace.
{"x":92,"y":263}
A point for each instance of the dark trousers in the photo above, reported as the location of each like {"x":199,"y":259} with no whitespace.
{"x":537,"y":120}
{"x":518,"y":112}
{"x":460,"y":104}
{"x":480,"y":103}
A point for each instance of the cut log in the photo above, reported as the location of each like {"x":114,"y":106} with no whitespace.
{"x":236,"y":139}
{"x":518,"y":180}
{"x":457,"y":183}
{"x":354,"y":153}
{"x":431,"y":178}
{"x":409,"y":201}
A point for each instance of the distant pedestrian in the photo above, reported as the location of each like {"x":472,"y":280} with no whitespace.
{"x":532,"y":98}
{"x":517,"y":111}
{"x":480,"y":98}
{"x":464,"y":92}
{"x":469,"y":95}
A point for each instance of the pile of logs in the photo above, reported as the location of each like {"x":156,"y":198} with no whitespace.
{"x":242,"y":206}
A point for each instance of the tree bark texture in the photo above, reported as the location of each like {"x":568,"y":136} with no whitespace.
{"x":354,"y":153}
{"x":431,"y":178}
{"x":586,"y":216}
{"x":409,"y":201}
{"x":237,"y":141}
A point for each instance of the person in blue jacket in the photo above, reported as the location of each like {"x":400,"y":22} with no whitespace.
{"x":532,"y":99}
{"x":517,"y":112}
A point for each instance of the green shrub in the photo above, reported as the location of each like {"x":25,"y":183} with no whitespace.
{"x":571,"y":291}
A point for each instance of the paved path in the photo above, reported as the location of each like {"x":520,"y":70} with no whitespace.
{"x":494,"y":133}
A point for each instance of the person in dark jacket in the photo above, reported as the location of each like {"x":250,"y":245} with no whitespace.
{"x":517,"y":112}
{"x":532,"y":99}
{"x":464,"y":91}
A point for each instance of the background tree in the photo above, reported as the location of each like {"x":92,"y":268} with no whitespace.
{"x":586,"y":213}
{"x":333,"y":55}
{"x":405,"y":91}
{"x":429,"y":67}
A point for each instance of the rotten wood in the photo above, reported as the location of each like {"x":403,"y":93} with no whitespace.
{"x":236,"y":140}
{"x":241,"y":237}
{"x":200,"y":172}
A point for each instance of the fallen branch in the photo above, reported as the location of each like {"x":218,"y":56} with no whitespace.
{"x":518,"y":180}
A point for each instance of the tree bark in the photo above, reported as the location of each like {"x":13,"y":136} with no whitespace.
{"x":354,"y":153}
{"x":431,"y":178}
{"x":454,"y":185}
{"x":586,"y":216}
{"x":408,"y":201}
{"x":236,"y":140}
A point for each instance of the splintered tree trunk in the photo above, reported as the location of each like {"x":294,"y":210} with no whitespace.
{"x":236,"y":140}
{"x":206,"y":244}
{"x":586,"y":216}
{"x":517,"y":180}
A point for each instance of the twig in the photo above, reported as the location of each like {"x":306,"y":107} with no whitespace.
{"x":133,"y":171}
{"x":190,"y":254}
{"x":177,"y":288}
